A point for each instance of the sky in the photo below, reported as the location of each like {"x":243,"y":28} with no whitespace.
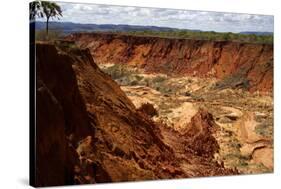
{"x":184,"y":19}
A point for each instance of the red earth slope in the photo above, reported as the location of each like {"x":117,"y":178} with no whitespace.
{"x":219,"y":59}
{"x":88,"y":131}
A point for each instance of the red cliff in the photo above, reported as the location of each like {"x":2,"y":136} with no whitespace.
{"x":201,"y":58}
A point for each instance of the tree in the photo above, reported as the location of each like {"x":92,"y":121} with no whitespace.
{"x":46,"y":9}
{"x":34,"y":10}
{"x":50,"y":9}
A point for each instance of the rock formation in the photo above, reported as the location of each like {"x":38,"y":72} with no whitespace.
{"x":245,"y":65}
{"x":88,"y":131}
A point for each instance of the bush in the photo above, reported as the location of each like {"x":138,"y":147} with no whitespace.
{"x":138,"y":77}
{"x":264,"y":129}
{"x":148,"y":109}
{"x":66,"y":44}
{"x":237,"y":80}
{"x":159,"y":79}
{"x":134,"y":82}
{"x":117,"y":71}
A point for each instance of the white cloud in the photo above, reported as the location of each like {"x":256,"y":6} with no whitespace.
{"x":202,"y":20}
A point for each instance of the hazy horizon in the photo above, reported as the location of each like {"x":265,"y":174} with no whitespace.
{"x":160,"y":17}
{"x":59,"y":21}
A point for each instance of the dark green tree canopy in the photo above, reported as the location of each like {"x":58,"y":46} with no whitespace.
{"x":45,"y":9}
{"x":51,"y":9}
{"x":34,"y":10}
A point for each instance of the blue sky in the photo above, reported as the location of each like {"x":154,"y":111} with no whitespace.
{"x":202,"y":20}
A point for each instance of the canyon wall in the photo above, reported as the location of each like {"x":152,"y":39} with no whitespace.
{"x":220,"y":59}
{"x":88,"y":131}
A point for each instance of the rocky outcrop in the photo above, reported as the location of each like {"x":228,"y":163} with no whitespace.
{"x":196,"y":137}
{"x":195,"y":146}
{"x":88,"y":131}
{"x":259,"y":148}
{"x":60,"y":114}
{"x":220,"y":59}
{"x":198,"y":134}
{"x":54,"y":158}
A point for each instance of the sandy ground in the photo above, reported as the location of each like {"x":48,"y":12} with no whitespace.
{"x":245,"y":120}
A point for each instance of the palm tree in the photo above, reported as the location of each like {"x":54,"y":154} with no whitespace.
{"x":43,"y":9}
{"x":34,"y":10}
{"x":50,"y":9}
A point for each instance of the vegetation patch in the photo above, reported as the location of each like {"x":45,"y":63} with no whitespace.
{"x":125,"y":75}
{"x":237,"y":80}
{"x":206,"y":35}
{"x":121,"y":73}
{"x":264,"y":129}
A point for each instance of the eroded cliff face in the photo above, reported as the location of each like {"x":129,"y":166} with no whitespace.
{"x":253,"y":62}
{"x":88,"y":131}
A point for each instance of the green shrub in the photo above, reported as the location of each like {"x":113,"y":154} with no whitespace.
{"x":159,"y":79}
{"x":134,"y":82}
{"x":139,"y":77}
{"x":117,"y":71}
{"x":237,"y":80}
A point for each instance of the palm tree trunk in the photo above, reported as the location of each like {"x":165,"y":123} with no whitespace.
{"x":47,"y":27}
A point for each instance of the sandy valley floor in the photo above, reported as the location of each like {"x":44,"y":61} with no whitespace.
{"x":244,"y":120}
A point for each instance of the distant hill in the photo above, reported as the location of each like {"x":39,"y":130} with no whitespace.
{"x":257,"y":33}
{"x":69,"y":27}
